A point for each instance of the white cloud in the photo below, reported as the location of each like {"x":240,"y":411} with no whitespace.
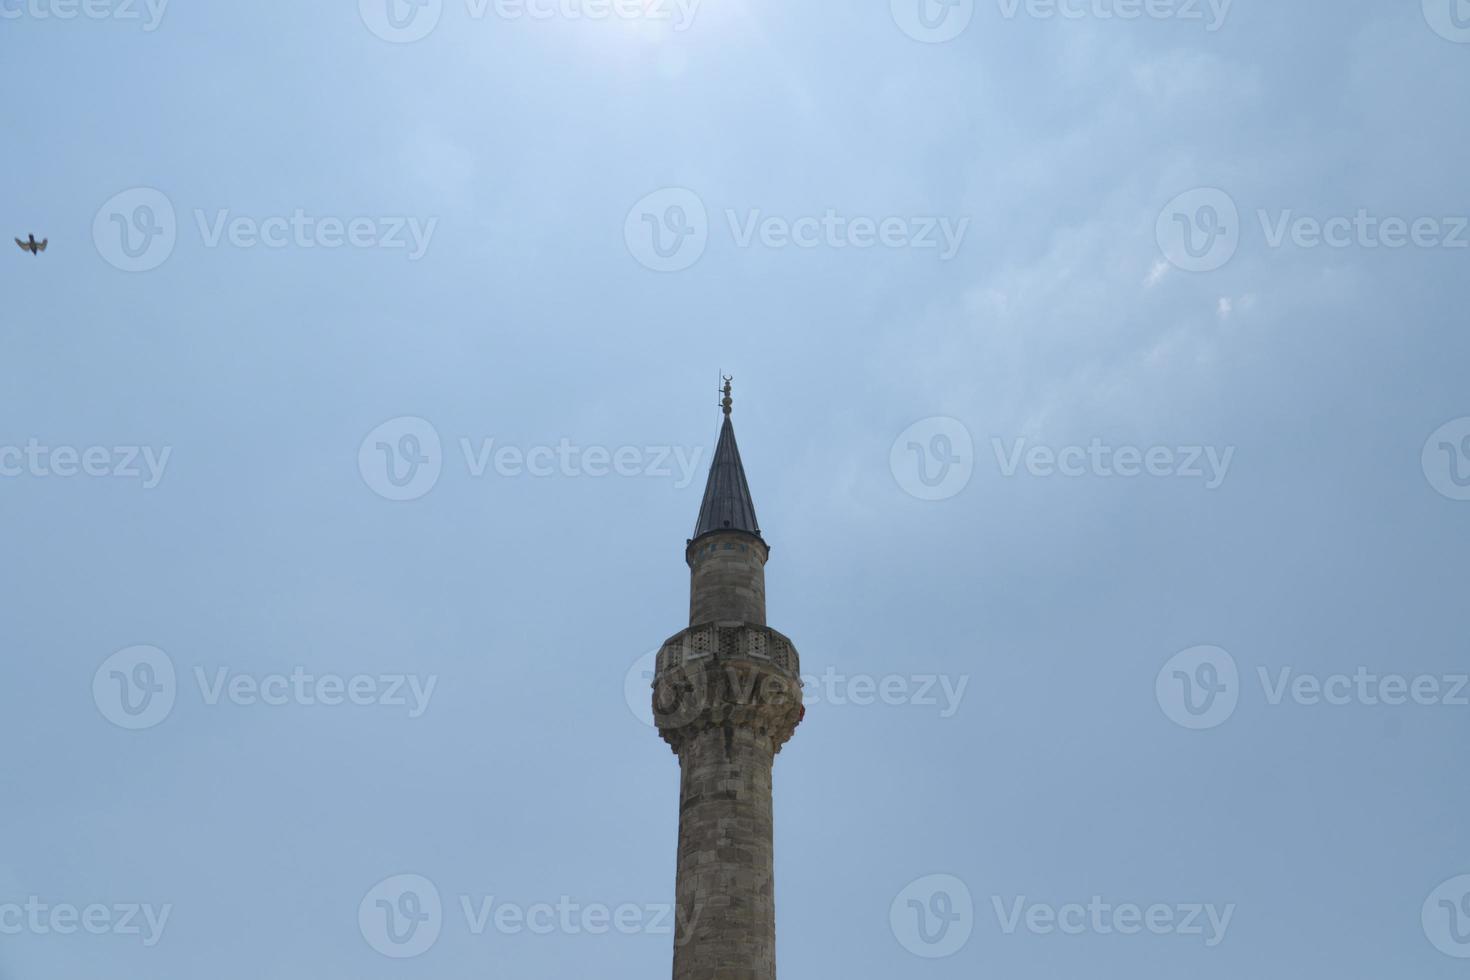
{"x":1157,"y":273}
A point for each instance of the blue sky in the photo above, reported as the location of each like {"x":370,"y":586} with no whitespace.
{"x":971,"y":266}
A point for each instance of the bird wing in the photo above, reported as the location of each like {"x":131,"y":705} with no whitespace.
{"x":20,"y":243}
{"x":43,"y":243}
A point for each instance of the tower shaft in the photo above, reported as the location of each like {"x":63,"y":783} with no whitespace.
{"x":727,"y":696}
{"x":724,"y":884}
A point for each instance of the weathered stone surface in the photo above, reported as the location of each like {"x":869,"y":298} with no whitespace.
{"x":727,"y":697}
{"x":727,"y":578}
{"x":724,"y":877}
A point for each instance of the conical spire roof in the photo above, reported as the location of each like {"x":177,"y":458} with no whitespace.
{"x":727,"y":505}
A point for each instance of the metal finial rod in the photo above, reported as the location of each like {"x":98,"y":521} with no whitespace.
{"x":727,"y":401}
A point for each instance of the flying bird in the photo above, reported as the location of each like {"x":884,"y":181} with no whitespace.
{"x":32,"y":246}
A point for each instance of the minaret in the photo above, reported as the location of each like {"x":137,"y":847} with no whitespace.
{"x":727,"y":696}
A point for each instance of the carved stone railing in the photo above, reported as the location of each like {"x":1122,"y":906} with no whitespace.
{"x":730,"y":641}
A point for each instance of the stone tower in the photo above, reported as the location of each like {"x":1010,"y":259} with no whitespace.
{"x":727,"y":696}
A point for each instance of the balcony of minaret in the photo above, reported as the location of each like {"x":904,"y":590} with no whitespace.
{"x":727,"y":673}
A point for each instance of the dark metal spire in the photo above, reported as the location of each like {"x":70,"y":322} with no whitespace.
{"x":727,"y":505}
